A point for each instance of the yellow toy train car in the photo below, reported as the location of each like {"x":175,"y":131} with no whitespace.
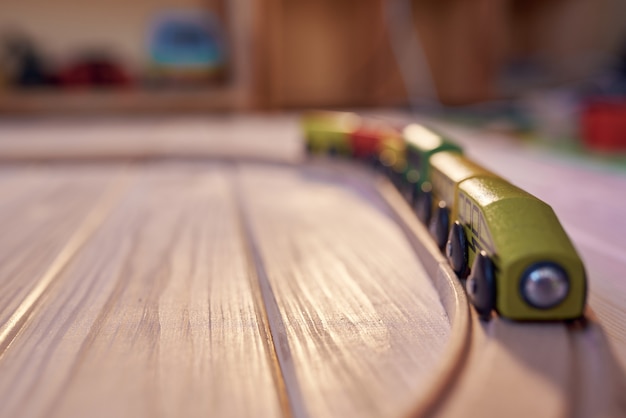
{"x":393,"y":158}
{"x":519,"y":259}
{"x":328,"y":132}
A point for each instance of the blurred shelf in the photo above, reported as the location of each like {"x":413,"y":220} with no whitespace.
{"x":46,"y":101}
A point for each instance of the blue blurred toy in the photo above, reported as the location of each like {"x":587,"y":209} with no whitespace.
{"x":186,"y":46}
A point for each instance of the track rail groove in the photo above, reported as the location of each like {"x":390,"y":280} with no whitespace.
{"x":92,"y":221}
{"x":287,"y":380}
{"x":590,"y":383}
{"x":452,"y":295}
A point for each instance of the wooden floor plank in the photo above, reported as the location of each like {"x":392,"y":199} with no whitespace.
{"x":274,"y":138}
{"x":159,"y":312}
{"x":365,"y":325}
{"x":41,"y":208}
{"x":155,"y":317}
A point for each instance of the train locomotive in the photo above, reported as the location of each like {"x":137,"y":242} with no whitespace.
{"x":507,"y":245}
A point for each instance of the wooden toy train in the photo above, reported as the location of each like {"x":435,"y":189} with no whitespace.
{"x":509,"y":246}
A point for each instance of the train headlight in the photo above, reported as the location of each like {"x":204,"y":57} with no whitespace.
{"x":544,"y":285}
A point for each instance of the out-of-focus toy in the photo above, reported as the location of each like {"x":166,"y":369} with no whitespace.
{"x":604,"y":125}
{"x":393,"y":158}
{"x":23,"y":64}
{"x":506,"y":244}
{"x":94,"y":70}
{"x":329,"y":132}
{"x":421,"y":144}
{"x":367,"y":140}
{"x":186,"y":47}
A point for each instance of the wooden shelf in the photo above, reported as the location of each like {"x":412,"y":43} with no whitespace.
{"x":122,"y":101}
{"x":237,"y":94}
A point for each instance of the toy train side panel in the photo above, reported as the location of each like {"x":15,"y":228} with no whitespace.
{"x":393,"y":157}
{"x":422,"y":144}
{"x":329,"y":132}
{"x":368,"y":139}
{"x":365,"y":143}
{"x":519,"y":231}
{"x":447,"y":170}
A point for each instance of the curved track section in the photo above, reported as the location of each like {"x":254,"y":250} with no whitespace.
{"x":513,"y":369}
{"x":452,"y":295}
{"x":494,"y":369}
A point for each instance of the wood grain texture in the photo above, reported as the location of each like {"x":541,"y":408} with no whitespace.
{"x":451,"y":293}
{"x":41,"y":210}
{"x":365,"y":325}
{"x":160,"y":313}
{"x":514,"y":368}
{"x":153,"y":318}
{"x":248,"y":289}
{"x":548,"y":370}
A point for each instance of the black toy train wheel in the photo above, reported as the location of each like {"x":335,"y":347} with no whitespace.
{"x":424,"y":206}
{"x":414,"y":194}
{"x":439,"y":225}
{"x":399,"y":182}
{"x":394,"y":177}
{"x":374,"y":162}
{"x":409,"y":192}
{"x":456,"y":250}
{"x":481,"y":286}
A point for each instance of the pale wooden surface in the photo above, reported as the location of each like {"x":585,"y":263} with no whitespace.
{"x":506,"y":368}
{"x":363,"y":320}
{"x":587,"y":197}
{"x":40,"y":209}
{"x":258,"y":137}
{"x":156,"y":313}
{"x":148,"y":278}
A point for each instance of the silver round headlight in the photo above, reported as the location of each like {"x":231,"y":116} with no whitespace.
{"x":544,"y":285}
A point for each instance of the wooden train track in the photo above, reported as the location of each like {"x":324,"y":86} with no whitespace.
{"x":505,"y":368}
{"x":497,"y":369}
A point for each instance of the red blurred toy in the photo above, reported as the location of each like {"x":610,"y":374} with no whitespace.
{"x":604,"y":124}
{"x":367,"y":139}
{"x":94,"y":71}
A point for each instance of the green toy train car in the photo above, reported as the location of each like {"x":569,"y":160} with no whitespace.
{"x":393,"y":158}
{"x":421,"y":144}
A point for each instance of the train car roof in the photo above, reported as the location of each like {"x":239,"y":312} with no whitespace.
{"x":331,"y":121}
{"x":426,"y":140}
{"x":517,"y":221}
{"x":492,"y":188}
{"x":456,"y":167}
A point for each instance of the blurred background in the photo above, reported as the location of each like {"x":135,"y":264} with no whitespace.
{"x":534,"y":61}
